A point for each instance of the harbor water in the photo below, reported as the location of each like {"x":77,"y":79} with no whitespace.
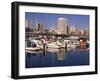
{"x":57,"y":58}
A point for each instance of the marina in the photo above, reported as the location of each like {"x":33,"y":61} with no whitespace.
{"x":56,"y":52}
{"x":58,"y":42}
{"x":72,"y":42}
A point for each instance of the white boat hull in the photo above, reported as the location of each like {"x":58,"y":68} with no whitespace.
{"x":33,"y":49}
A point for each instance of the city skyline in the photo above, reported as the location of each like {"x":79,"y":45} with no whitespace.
{"x":50,"y":20}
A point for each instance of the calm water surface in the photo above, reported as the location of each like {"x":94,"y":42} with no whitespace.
{"x":57,"y":57}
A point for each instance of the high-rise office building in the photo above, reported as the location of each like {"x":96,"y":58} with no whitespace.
{"x":62,"y":26}
{"x":28,"y":29}
{"x":28,"y":24}
{"x":73,"y":30}
{"x":39,"y":27}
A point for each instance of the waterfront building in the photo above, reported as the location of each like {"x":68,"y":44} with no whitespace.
{"x":28,"y":29}
{"x":52,"y":30}
{"x":62,"y":26}
{"x":87,"y":31}
{"x":39,"y":27}
{"x":73,"y":30}
{"x":68,"y":30}
{"x":28,"y":24}
{"x":56,"y":31}
{"x":84,"y":32}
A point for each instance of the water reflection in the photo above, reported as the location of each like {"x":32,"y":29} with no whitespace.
{"x":61,"y":54}
{"x":57,"y":57}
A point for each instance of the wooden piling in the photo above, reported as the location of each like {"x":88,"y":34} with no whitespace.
{"x":44,"y":48}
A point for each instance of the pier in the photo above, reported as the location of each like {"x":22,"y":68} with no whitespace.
{"x":31,"y":34}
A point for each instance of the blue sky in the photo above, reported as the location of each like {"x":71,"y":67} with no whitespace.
{"x":50,"y":20}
